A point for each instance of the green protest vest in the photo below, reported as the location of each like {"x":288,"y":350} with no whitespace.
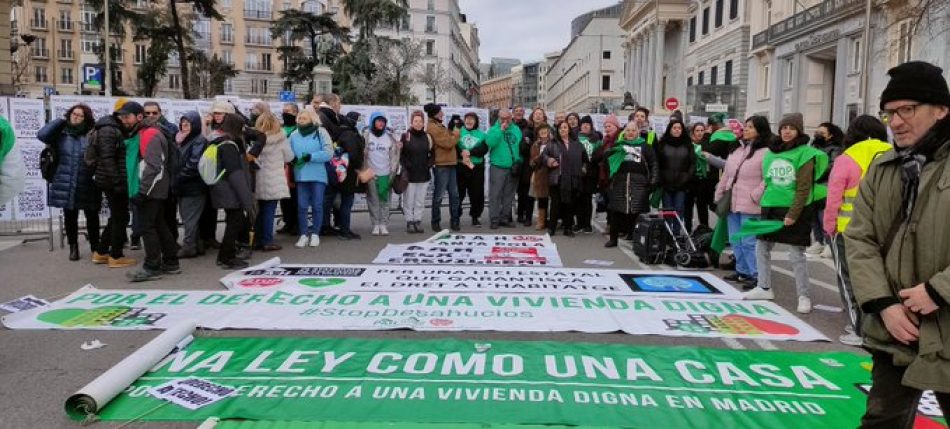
{"x":779,"y":171}
{"x":469,"y":139}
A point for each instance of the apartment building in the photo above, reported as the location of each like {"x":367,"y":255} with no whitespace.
{"x":654,"y":51}
{"x":717,"y":57}
{"x":496,"y":93}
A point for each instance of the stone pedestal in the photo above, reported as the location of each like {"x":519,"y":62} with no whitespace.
{"x":322,"y":79}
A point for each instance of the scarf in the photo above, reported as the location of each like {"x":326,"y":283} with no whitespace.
{"x":77,"y":130}
{"x":617,"y":153}
{"x":290,"y":120}
{"x":913,"y":159}
{"x":306,"y":130}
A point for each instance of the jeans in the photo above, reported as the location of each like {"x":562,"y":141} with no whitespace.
{"x":160,"y":246}
{"x":414,"y":201}
{"x":744,"y":248}
{"x":763,"y":260}
{"x":310,"y":197}
{"x":267,"y":209}
{"x":346,"y":207}
{"x":676,"y":200}
{"x":845,"y":289}
{"x":502,"y":194}
{"x":445,"y":179}
{"x":378,"y":206}
{"x":71,"y":224}
{"x":235,"y":223}
{"x":113,"y":235}
{"x":891,"y":405}
{"x":191,"y":208}
{"x":471,"y":183}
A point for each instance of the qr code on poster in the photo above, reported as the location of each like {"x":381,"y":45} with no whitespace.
{"x":27,"y":122}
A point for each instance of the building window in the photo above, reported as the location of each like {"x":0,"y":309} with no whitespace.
{"x":606,"y":55}
{"x":430,"y":69}
{"x":227,"y":33}
{"x":225,"y":3}
{"x":789,"y":73}
{"x":430,"y":47}
{"x":605,"y":82}
{"x":265,"y":62}
{"x":406,"y":22}
{"x":733,"y":9}
{"x":705,"y":21}
{"x":89,"y":45}
{"x":728,"y":77}
{"x":258,"y":36}
{"x":702,"y":78}
{"x":856,"y":54}
{"x":117,"y":53}
{"x":719,"y":12}
{"x":66,"y":49}
{"x":39,"y":48}
{"x":689,"y":81}
{"x":229,"y":85}
{"x":692,"y":29}
{"x":67,"y":76}
{"x":714,"y":75}
{"x":39,"y":18}
{"x":259,"y":86}
{"x":227,"y":57}
{"x":118,"y":77}
{"x":905,"y":33}
{"x":140,"y":53}
{"x":764,"y":84}
{"x":40,"y":75}
{"x":430,"y":5}
{"x":174,"y":81}
{"x":65,"y":20}
{"x":430,"y":24}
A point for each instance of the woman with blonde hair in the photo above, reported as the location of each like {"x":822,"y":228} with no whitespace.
{"x":312,"y":149}
{"x":271,"y":186}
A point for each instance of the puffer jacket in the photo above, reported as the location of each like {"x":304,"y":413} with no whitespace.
{"x":72,"y":186}
{"x":918,"y":254}
{"x":233,"y":191}
{"x":631,"y":185}
{"x":190,"y":183}
{"x":106,"y":155}
{"x":540,"y":187}
{"x":677,"y":162}
{"x":748,"y":188}
{"x":320,"y":148}
{"x":444,"y":144}
{"x":351,"y":142}
{"x":271,"y":183}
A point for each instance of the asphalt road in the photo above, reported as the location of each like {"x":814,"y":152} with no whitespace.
{"x":40,"y":369}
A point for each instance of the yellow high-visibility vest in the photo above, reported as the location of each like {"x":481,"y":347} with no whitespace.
{"x":863,"y":153}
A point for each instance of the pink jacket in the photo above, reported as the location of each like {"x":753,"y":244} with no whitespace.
{"x":749,"y":187}
{"x":845,"y":174}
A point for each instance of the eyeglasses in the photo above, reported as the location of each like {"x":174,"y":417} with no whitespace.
{"x":152,"y":113}
{"x":905,"y":112}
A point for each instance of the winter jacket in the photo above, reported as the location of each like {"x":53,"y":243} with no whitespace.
{"x":524,"y":148}
{"x":320,"y":148}
{"x":443,"y":144}
{"x":677,"y":161}
{"x":634,"y":179}
{"x":330,"y":120}
{"x":846,"y":174}
{"x":416,"y":155}
{"x":719,"y":143}
{"x":271,"y":184}
{"x":153,"y":158}
{"x":106,"y":155}
{"x":748,"y":188}
{"x":12,"y":168}
{"x":376,"y":147}
{"x":233,"y":191}
{"x":918,"y":254}
{"x":190,"y":150}
{"x":599,"y":162}
{"x":503,"y":146}
{"x":540,"y":185}
{"x":572,"y":163}
{"x":474,"y":142}
{"x":72,"y":186}
{"x":351,"y":143}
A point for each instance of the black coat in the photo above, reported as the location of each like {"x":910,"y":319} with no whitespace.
{"x":72,"y":186}
{"x":677,"y":163}
{"x":631,"y":185}
{"x":416,"y":156}
{"x":106,"y":156}
{"x":351,"y":142}
{"x":190,"y":183}
{"x":573,"y":162}
{"x":234,"y":190}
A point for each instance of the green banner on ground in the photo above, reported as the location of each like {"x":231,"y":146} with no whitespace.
{"x":460,"y":381}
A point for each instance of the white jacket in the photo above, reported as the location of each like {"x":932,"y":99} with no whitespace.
{"x":12,"y":174}
{"x":271,"y":178}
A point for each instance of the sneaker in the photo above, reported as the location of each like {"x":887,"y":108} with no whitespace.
{"x":736,"y":277}
{"x":350,"y":235}
{"x":383,"y":230}
{"x":476,"y":223}
{"x":99,"y":259}
{"x":826,"y":253}
{"x":187,"y":252}
{"x":851,"y":339}
{"x":455,"y":227}
{"x":815,"y":249}
{"x":804,"y":305}
{"x":234,"y":264}
{"x":610,"y":243}
{"x":122,"y":262}
{"x":759,"y":293}
{"x":375,"y":230}
{"x":314,"y":240}
{"x":436,"y":226}
{"x":302,"y":241}
{"x":171,"y":269}
{"x":272,"y":248}
{"x":144,"y":275}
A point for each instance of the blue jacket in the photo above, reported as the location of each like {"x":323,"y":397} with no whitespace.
{"x":190,"y":183}
{"x":72,"y":186}
{"x":320,"y":148}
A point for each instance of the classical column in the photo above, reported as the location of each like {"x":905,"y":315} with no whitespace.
{"x":658,"y":66}
{"x":649,"y":93}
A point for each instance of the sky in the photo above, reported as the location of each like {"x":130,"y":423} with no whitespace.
{"x":525,"y":29}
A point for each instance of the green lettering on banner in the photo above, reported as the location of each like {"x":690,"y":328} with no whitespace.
{"x":455,"y":381}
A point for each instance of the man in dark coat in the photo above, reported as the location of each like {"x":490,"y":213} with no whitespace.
{"x":106,"y":155}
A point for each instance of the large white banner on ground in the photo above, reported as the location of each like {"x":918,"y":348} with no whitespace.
{"x":272,"y":275}
{"x":474,"y":249}
{"x":320,"y":309}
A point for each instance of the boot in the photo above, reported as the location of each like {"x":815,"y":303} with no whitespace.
{"x":73,"y":252}
{"x":542,"y":219}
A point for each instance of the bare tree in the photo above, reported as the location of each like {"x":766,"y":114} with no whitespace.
{"x":436,"y":79}
{"x":396,"y":62}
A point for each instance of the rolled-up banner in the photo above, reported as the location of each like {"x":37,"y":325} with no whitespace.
{"x":95,"y":395}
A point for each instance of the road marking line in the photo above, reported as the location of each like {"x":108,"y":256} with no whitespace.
{"x":733,"y":343}
{"x":765,"y":344}
{"x":791,"y":274}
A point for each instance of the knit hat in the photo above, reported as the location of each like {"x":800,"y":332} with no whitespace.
{"x":612,"y":119}
{"x":432,"y":109}
{"x":918,"y":81}
{"x":221,"y":106}
{"x":795,"y":120}
{"x":587,"y":120}
{"x":132,"y":108}
{"x":716,"y":119}
{"x":119,"y":102}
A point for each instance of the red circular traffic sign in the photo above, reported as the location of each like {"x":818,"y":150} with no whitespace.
{"x":672,"y":103}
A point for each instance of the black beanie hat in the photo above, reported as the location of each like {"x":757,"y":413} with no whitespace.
{"x":587,"y":120}
{"x":432,"y":109}
{"x":918,"y":81}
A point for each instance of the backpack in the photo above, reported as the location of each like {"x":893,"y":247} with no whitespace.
{"x":208,"y":167}
{"x":174,"y":166}
{"x":49,"y":160}
{"x":90,"y":157}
